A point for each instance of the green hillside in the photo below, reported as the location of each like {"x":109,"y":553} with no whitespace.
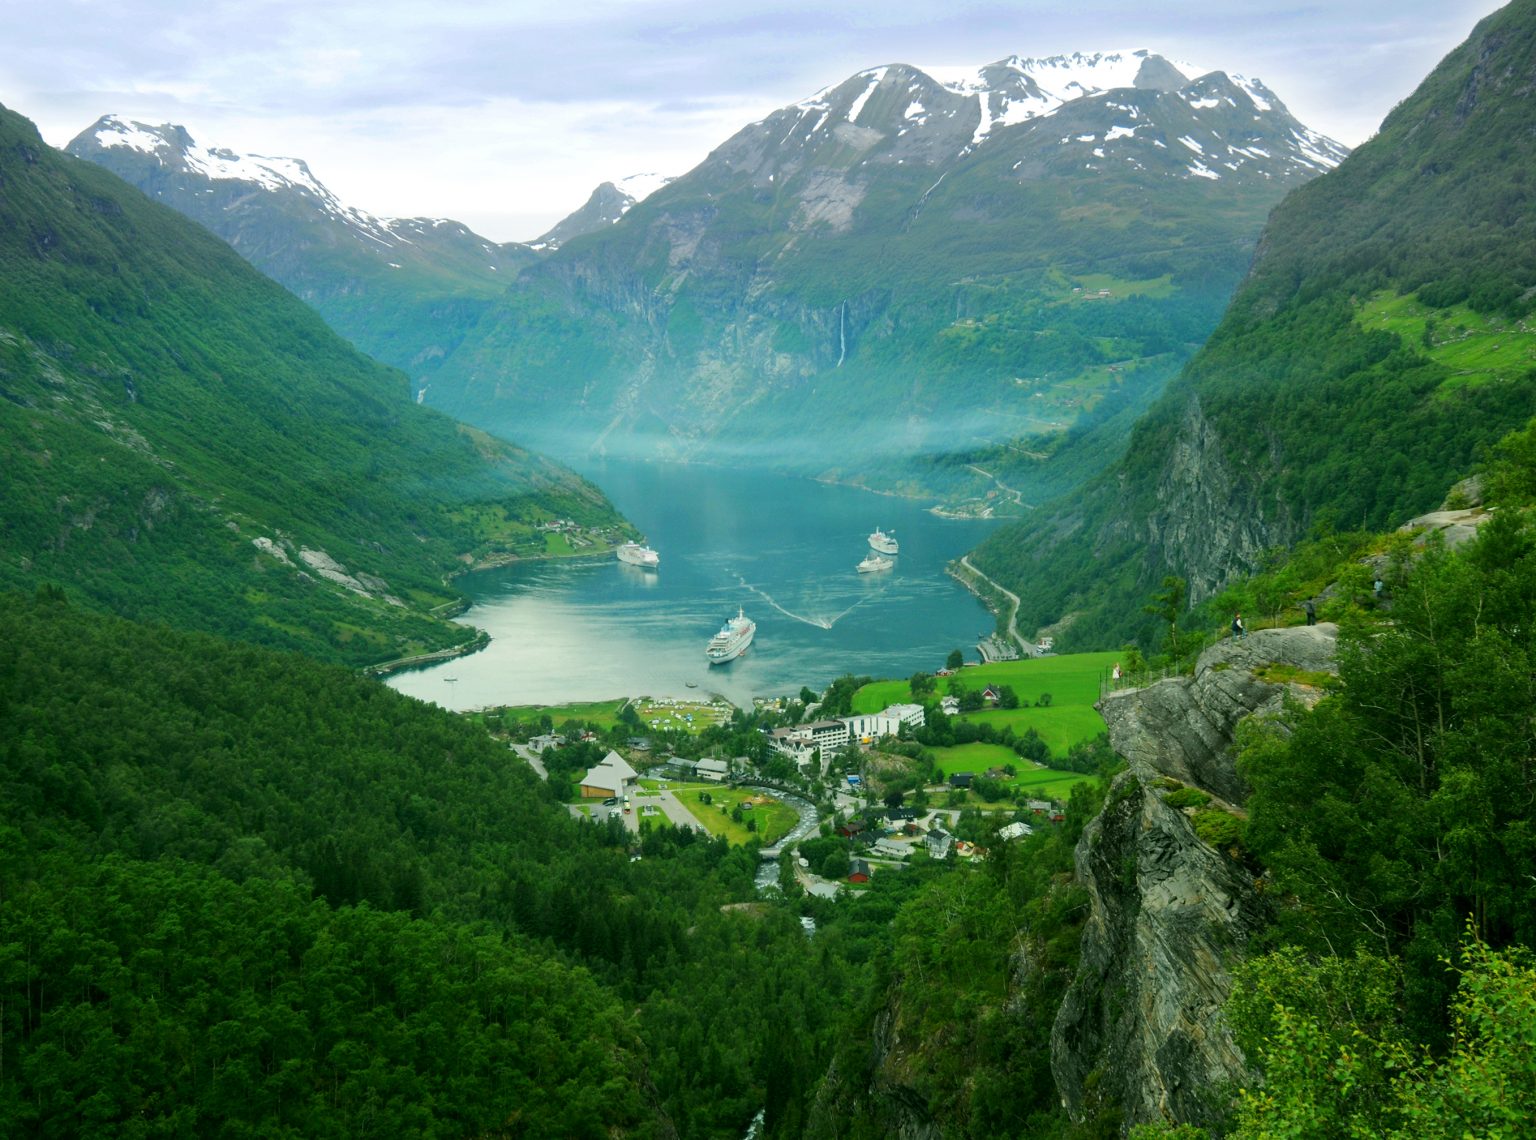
{"x":186,"y":442}
{"x":1377,"y":348}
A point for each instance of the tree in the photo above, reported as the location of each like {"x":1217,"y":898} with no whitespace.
{"x":1044,"y":701}
{"x":955,"y":660}
{"x":1007,"y":698}
{"x":922,"y":684}
{"x":1166,"y":605}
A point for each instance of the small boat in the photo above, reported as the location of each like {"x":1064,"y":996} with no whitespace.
{"x":874,"y":562}
{"x":883,"y":542}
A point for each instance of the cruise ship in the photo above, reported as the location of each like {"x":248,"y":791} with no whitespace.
{"x":873,"y":562}
{"x":732,"y":640}
{"x":637,"y":555}
{"x":884,"y":543}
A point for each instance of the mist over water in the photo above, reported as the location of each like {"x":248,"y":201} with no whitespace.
{"x":780,"y":548}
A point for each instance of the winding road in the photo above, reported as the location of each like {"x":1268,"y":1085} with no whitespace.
{"x":1013,"y":613}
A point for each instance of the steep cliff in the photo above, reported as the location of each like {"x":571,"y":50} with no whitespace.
{"x":1379,"y":344}
{"x":1141,"y":1028}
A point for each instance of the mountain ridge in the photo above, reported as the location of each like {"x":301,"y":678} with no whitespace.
{"x":189,"y":443}
{"x":1376,"y":347}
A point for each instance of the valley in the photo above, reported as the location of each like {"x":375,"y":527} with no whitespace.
{"x":1172,"y":779}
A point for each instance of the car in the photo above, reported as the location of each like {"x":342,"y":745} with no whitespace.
{"x":610,"y":801}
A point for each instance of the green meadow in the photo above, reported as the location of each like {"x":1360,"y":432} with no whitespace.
{"x":1072,"y":680}
{"x":774,"y":818}
{"x":1476,"y":347}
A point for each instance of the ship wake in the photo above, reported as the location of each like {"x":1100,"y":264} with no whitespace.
{"x":819,"y":621}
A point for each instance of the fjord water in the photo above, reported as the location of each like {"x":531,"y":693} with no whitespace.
{"x":783,"y":549}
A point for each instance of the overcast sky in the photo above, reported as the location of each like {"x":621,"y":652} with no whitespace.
{"x":505,"y":114}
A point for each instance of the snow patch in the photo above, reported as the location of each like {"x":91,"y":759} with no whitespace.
{"x":1193,"y":144}
{"x":857,"y":106}
{"x":1200,"y":170}
{"x":1120,"y":133}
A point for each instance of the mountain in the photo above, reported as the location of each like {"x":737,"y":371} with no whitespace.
{"x":1379,"y":344}
{"x":404,"y":289}
{"x":996,"y":270}
{"x":608,"y":203}
{"x":186,"y":442}
{"x":902,"y":265}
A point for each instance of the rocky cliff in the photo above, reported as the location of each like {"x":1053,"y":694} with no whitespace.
{"x":1141,"y":1027}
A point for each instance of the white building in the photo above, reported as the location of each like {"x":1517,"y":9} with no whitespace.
{"x":870,"y":727}
{"x":708,"y":769}
{"x":906,"y":714}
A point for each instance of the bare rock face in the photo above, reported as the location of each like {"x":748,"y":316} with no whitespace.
{"x":1141,"y":1026}
{"x":1184,"y":727}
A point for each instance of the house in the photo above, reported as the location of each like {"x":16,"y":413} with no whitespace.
{"x":1015,"y":830}
{"x":950,"y":705}
{"x":991,"y":694}
{"x":851,"y":828}
{"x":961,"y":779}
{"x":612,"y":777}
{"x":1039,"y":807}
{"x":891,"y":848}
{"x":1045,"y":644}
{"x":548,"y":740}
{"x":858,"y":871}
{"x":900,"y":813}
{"x":939,"y":842}
{"x":716,"y":770}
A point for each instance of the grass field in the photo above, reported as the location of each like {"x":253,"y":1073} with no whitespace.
{"x":1477,"y":347}
{"x":682,"y":714}
{"x":604,"y":714}
{"x":1073,"y":682}
{"x":773,"y":817}
{"x":1039,"y":783}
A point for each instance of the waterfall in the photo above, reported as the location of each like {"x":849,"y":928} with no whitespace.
{"x":842,"y":335}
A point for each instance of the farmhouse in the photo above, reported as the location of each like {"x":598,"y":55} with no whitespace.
{"x":858,"y":871}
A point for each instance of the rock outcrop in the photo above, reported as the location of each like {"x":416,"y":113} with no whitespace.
{"x":1141,"y":1028}
{"x":1184,"y":727}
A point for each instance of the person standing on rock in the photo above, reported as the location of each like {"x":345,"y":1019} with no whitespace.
{"x":1311,"y":611}
{"x":1238,"y":629}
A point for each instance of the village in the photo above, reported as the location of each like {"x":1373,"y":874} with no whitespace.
{"x":832,"y":801}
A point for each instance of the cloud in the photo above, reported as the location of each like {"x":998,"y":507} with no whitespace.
{"x":514,"y":107}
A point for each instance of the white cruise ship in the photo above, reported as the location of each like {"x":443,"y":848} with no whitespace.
{"x":637,"y":555}
{"x":873,"y":562}
{"x":884,"y":543}
{"x":732,"y":640}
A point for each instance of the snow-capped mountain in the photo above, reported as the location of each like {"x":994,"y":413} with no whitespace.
{"x":884,"y":263}
{"x":166,"y":159}
{"x":1122,"y":106}
{"x":608,"y":203}
{"x":888,"y":263}
{"x":398,"y":287}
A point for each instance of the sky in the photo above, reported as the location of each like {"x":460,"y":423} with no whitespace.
{"x":506,"y":114}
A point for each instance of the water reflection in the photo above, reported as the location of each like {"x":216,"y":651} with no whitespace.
{"x":783,"y":549}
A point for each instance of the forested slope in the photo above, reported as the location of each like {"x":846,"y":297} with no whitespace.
{"x":177,"y":431}
{"x":1378,"y":344}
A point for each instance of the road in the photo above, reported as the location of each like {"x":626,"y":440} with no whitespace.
{"x":1013,"y":613}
